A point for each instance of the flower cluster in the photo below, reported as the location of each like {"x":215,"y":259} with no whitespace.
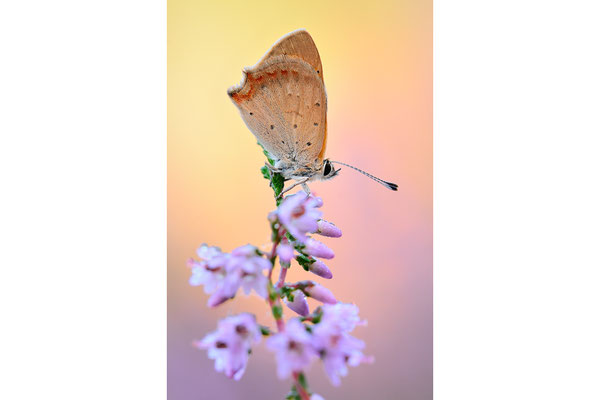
{"x":230,"y":344}
{"x":329,"y":339}
{"x":323,"y":334}
{"x":223,"y":274}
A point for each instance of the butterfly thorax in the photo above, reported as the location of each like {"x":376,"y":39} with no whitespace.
{"x":292,"y":170}
{"x":319,"y":170}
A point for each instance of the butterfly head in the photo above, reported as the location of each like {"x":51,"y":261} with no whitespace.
{"x":328,"y":170}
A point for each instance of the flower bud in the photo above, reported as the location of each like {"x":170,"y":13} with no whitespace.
{"x":318,"y":249}
{"x":317,"y":200}
{"x":244,"y":251}
{"x":320,"y":269}
{"x":217,"y":299}
{"x":299,"y":305}
{"x":328,"y":229}
{"x":285,"y":253}
{"x":320,"y":293}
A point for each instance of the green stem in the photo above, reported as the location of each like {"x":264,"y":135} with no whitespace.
{"x":276,"y":182}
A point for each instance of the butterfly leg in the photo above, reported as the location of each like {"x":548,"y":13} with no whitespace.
{"x":306,"y":188}
{"x":272,"y":168}
{"x":300,"y":182}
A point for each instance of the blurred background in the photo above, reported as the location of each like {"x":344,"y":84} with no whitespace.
{"x":377,"y":61}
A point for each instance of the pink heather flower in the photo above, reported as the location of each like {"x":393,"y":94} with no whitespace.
{"x":226,"y":289}
{"x":299,"y":305}
{"x":248,"y":266}
{"x":206,"y":252}
{"x":326,"y":228}
{"x":299,"y":215}
{"x":336,"y":346}
{"x":317,"y":249}
{"x":319,"y":293}
{"x":230,"y":344}
{"x":285,"y":253}
{"x":338,"y":350}
{"x":293,"y":349}
{"x":199,"y":272}
{"x":318,"y":201}
{"x":341,"y":316}
{"x":223,"y":274}
{"x":210,"y":269}
{"x":320,"y":269}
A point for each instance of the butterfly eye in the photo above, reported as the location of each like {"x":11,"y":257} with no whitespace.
{"x":327,"y":169}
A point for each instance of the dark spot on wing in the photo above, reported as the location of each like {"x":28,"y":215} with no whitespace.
{"x":251,"y":113}
{"x":295,"y":126}
{"x":308,"y":143}
{"x":272,"y":126}
{"x":316,"y":124}
{"x":318,"y":104}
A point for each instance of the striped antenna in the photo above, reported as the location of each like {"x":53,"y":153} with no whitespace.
{"x":388,"y":185}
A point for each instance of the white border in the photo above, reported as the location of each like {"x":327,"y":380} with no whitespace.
{"x":83,"y":203}
{"x":83,"y":200}
{"x":516,"y":200}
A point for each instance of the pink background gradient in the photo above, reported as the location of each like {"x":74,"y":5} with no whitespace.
{"x":377,"y":62}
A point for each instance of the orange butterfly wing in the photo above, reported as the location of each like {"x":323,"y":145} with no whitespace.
{"x":295,"y":45}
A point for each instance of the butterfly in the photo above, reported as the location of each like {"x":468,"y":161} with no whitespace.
{"x":283,"y":102}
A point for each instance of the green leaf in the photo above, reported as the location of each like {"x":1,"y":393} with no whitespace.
{"x":305,"y":261}
{"x":302,"y":380}
{"x":277,"y":312}
{"x":266,"y":153}
{"x":300,"y":247}
{"x":264,"y":330}
{"x":317,"y":318}
{"x":276,"y":180}
{"x":277,"y":183}
{"x":293,"y":394}
{"x":275,"y":232}
{"x":285,"y":291}
{"x":272,"y":292}
{"x":265,"y":172}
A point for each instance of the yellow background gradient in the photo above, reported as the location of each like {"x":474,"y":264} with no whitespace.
{"x":377,"y":61}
